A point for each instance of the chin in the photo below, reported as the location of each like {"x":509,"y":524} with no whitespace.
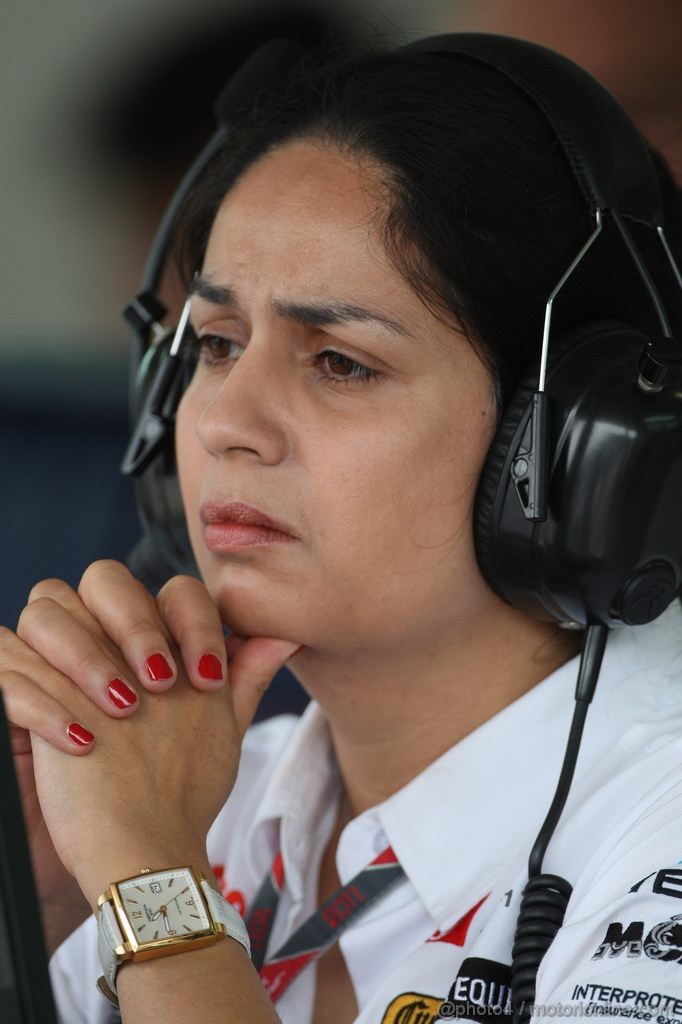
{"x":249,"y":623}
{"x":256,"y":610}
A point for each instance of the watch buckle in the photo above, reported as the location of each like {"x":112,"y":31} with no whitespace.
{"x":106,"y":991}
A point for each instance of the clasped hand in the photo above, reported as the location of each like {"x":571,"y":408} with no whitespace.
{"x":145,"y":677}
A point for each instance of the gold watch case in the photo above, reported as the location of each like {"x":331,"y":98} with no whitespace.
{"x":136,"y":949}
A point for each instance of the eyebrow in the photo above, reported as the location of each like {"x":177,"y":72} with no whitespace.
{"x":310,"y":314}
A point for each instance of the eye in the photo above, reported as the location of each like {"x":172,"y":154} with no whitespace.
{"x":344,"y":369}
{"x":216,"y":351}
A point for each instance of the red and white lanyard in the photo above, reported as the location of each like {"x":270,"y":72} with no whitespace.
{"x":321,"y":929}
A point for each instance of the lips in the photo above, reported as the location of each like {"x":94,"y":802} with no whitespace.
{"x":238,"y":513}
{"x":234,"y":528}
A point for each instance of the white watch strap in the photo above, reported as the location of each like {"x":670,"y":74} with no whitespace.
{"x":225,"y":914}
{"x":109,"y":935}
{"x":108,"y":938}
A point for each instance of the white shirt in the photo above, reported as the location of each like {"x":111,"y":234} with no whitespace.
{"x":462,"y":830}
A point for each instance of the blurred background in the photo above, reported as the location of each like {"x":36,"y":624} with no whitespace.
{"x":104,"y":105}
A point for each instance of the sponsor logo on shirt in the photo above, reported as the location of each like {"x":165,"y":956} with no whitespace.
{"x":607,"y":1000}
{"x":666,"y":882}
{"x":412,"y":1008}
{"x":481,"y":991}
{"x":663,"y":942}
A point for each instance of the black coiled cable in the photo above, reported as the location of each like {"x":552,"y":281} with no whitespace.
{"x":545,"y":897}
{"x":543,"y":907}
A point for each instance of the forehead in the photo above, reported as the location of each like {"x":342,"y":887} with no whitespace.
{"x":306,"y":214}
{"x":310,"y":183}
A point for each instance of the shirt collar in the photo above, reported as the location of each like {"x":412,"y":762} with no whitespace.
{"x":476,"y":807}
{"x":484,"y":800}
{"x":299,"y":801}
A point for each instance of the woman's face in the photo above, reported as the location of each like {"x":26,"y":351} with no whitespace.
{"x":328,"y":397}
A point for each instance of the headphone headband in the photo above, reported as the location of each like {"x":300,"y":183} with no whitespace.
{"x":609,"y":157}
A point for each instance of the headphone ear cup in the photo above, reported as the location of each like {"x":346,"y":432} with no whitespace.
{"x":607,"y":536}
{"x":489,"y":485}
{"x":493,"y":482}
{"x":142,"y":378}
{"x":164,"y":549}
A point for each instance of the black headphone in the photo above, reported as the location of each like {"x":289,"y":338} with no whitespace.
{"x":578,"y":504}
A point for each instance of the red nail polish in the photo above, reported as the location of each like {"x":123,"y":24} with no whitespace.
{"x":78,"y":735}
{"x":210,"y":667}
{"x":121,"y":694}
{"x":157,"y":667}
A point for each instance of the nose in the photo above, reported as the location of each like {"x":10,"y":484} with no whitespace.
{"x":245,"y":409}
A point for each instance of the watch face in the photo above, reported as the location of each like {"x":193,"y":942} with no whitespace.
{"x":164,"y":906}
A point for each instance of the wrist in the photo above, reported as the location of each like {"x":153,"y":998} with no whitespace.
{"x":99,"y":869}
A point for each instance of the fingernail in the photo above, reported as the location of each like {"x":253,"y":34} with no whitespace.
{"x":210,"y":667}
{"x":158,"y":667}
{"x":121,"y":695}
{"x":79,"y":735}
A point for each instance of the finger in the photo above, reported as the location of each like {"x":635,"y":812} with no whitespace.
{"x":63,"y":594}
{"x":129,"y":616}
{"x":20,"y":740}
{"x":232,"y":644}
{"x":250,"y":673}
{"x":66,"y":596}
{"x":190,"y":614}
{"x":31,"y":709}
{"x":60,"y":639}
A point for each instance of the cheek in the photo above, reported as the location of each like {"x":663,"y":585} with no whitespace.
{"x":407,"y":490}
{"x":393,"y":545}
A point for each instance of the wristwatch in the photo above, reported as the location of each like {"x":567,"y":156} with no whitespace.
{"x":159,"y":913}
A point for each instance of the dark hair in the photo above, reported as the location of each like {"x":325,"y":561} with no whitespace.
{"x":483,"y":213}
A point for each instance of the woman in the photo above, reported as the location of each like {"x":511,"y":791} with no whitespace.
{"x":375,"y":252}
